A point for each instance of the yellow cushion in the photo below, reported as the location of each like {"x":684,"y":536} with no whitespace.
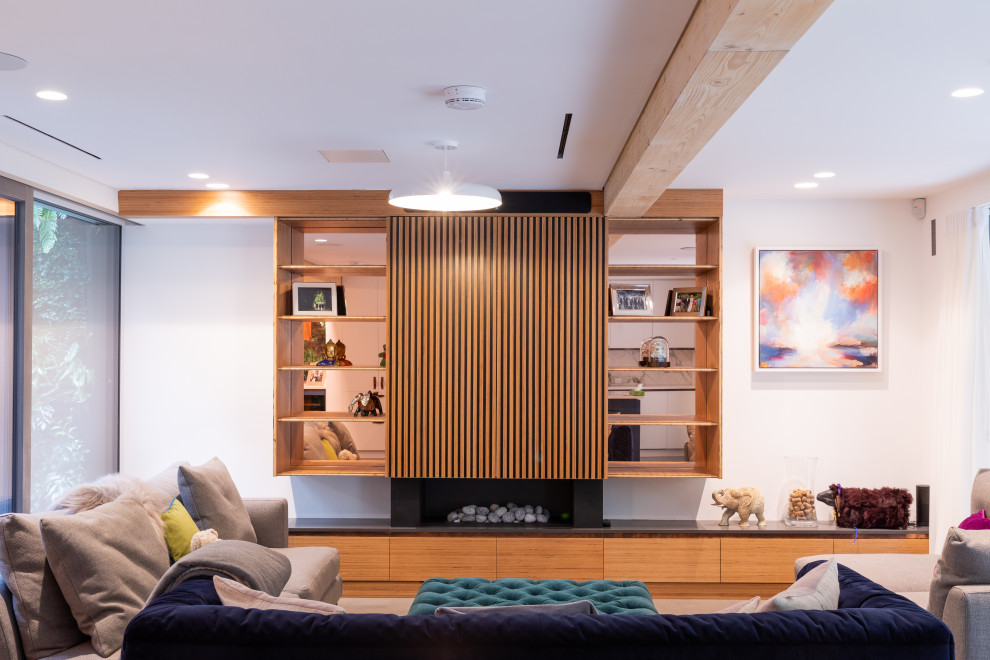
{"x":328,"y":448}
{"x":179,"y":530}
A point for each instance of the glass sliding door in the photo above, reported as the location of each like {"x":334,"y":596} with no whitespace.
{"x":8,"y":218}
{"x":74,"y":352}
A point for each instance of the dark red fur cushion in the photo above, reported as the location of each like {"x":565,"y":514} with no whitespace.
{"x":872,"y":508}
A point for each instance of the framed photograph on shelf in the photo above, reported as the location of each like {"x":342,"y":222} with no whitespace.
{"x":631,"y":299}
{"x":314,"y":299}
{"x":817,"y":310}
{"x":688,"y":301}
{"x":315,"y":378}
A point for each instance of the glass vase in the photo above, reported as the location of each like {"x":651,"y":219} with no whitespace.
{"x":798,"y":494}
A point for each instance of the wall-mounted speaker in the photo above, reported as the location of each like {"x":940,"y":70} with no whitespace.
{"x":922,"y":492}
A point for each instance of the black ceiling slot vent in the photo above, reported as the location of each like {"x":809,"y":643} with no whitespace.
{"x":544,"y":201}
{"x":563,"y":135}
{"x":38,"y":130}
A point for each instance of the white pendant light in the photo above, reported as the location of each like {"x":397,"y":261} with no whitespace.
{"x":450,"y":196}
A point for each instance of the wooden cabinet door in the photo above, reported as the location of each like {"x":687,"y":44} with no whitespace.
{"x":767,"y":560}
{"x":417,"y":558}
{"x":894,"y":546}
{"x":662,"y":560}
{"x":362,"y":558}
{"x":548,"y":558}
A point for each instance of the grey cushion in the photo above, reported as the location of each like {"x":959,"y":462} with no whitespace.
{"x":84,"y":651}
{"x":211,"y":498}
{"x":10,"y":640}
{"x":106,"y":562}
{"x":573,"y":607}
{"x":314,"y":571}
{"x":44,"y":620}
{"x":965,"y":560}
{"x":165,"y":486}
{"x":270,"y":520}
{"x":817,"y":590}
{"x":980,"y":495}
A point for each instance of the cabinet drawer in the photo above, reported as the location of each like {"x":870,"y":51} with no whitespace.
{"x":548,"y":559}
{"x":767,"y":560}
{"x":894,"y":546}
{"x":662,"y":560}
{"x":414,"y":559}
{"x":362,"y":558}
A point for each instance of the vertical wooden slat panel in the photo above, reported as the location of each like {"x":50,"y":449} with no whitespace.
{"x":494,"y":324}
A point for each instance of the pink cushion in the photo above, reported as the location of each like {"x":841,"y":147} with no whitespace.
{"x":976,"y":521}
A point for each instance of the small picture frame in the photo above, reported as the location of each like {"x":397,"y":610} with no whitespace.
{"x":314,"y":299}
{"x":631,"y":299}
{"x":315,"y":378}
{"x":688,"y":301}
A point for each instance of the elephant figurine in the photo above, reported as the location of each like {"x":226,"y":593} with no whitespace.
{"x":744,"y":501}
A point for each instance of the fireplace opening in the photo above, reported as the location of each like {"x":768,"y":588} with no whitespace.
{"x":427,"y":502}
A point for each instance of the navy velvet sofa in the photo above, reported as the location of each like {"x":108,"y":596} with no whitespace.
{"x":871,"y":623}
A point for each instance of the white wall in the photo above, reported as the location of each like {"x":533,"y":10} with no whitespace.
{"x":196,"y":366}
{"x":865,"y":428}
{"x":196,"y":361}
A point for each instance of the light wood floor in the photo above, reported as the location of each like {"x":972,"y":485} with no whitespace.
{"x":402,"y":605}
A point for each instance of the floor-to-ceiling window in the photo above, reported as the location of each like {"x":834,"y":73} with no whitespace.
{"x":59,"y":346}
{"x":74,"y":348}
{"x":8,"y":214}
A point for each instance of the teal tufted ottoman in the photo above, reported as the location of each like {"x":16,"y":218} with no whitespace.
{"x":609,"y":597}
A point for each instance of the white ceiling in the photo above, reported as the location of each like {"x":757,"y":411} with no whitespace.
{"x":865,"y":93}
{"x":250,"y":91}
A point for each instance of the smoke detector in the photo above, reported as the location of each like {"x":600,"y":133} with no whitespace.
{"x":464,"y":97}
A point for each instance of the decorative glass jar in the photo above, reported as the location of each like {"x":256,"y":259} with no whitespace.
{"x":798,"y":495}
{"x":654,"y":352}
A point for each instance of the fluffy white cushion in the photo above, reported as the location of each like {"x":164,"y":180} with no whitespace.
{"x":817,"y":590}
{"x":235,"y":594}
{"x":742,"y":607}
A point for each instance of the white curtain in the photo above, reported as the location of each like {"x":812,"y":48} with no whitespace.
{"x":961,"y":440}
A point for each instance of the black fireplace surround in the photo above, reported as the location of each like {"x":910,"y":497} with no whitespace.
{"x":426,"y":502}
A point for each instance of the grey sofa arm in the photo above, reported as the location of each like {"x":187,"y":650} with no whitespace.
{"x":270,"y":519}
{"x":899,"y":573}
{"x":10,"y":639}
{"x":967,"y":613}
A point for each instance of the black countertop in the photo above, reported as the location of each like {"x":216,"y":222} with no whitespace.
{"x":618,"y":528}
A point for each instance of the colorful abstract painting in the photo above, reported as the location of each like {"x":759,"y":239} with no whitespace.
{"x":818,"y":309}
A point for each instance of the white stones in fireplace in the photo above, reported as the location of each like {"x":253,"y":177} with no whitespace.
{"x":496,"y":513}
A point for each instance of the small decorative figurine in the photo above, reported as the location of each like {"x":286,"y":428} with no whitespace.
{"x":341,"y":360}
{"x":638,"y":390}
{"x":329,"y":354}
{"x":744,"y":501}
{"x":382,"y":356}
{"x":366,"y":404}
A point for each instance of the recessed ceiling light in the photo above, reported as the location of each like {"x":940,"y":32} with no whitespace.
{"x":218,"y":186}
{"x":10,"y":62}
{"x":51,"y":95}
{"x":806,"y":184}
{"x":967,"y":92}
{"x":198,"y":175}
{"x":824,"y":175}
{"x":319,"y":240}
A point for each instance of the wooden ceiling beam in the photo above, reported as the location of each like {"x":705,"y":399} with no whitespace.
{"x":727,"y":49}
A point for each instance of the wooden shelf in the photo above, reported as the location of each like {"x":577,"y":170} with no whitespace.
{"x":361,"y":468}
{"x":651,"y":468}
{"x":335,"y":319}
{"x":336,"y":271}
{"x":658,"y":270}
{"x":658,"y":420}
{"x":308,"y":367}
{"x":620,"y":226}
{"x":662,"y":319}
{"x":674,"y":370}
{"x":329,"y":416}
